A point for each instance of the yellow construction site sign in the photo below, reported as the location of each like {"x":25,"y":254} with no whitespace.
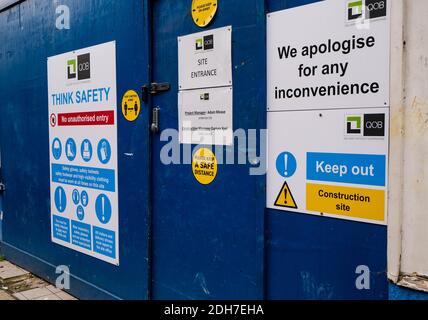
{"x":359,"y":203}
{"x":285,"y":198}
{"x":131,"y":105}
{"x":204,"y":166}
{"x":203,"y":11}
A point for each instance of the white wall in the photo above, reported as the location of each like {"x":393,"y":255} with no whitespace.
{"x":408,"y":205}
{"x":6,"y":3}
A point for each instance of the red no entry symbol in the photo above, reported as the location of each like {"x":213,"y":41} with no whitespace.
{"x":53,"y":120}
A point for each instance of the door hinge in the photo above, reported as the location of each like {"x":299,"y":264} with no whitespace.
{"x":154,"y":88}
{"x":2,"y":187}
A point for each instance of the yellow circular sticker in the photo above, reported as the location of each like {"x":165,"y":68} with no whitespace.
{"x":203,"y":11}
{"x":204,"y":166}
{"x":131,"y":105}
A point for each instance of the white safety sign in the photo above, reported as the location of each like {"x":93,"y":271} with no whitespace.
{"x":205,"y":97}
{"x":83,"y":151}
{"x":205,"y":116}
{"x":328,"y":109}
{"x":205,"y":59}
{"x":334,"y":162}
{"x":331,"y":54}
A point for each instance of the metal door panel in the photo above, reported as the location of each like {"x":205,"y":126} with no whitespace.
{"x":208,"y":240}
{"x":309,"y":257}
{"x":28,"y":36}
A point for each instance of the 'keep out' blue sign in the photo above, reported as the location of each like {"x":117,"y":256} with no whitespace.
{"x":347,"y":168}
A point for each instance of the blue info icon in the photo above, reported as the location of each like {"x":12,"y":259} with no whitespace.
{"x":76,"y":197}
{"x":86,"y":150}
{"x":60,"y":199}
{"x":80,"y":213}
{"x":286,"y":164}
{"x":103,"y":208}
{"x":56,"y":149}
{"x":104,"y":151}
{"x":70,"y":149}
{"x":84,"y":198}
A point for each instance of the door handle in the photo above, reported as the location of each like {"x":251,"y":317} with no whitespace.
{"x":154,"y":88}
{"x":155,"y":120}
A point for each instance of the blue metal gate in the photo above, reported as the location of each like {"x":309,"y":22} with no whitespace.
{"x":208,"y":241}
{"x":28,"y":37}
{"x":178,"y":239}
{"x":1,"y":205}
{"x":311,"y":257}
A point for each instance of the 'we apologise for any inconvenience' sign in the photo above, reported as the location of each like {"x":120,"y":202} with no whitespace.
{"x":334,"y":65}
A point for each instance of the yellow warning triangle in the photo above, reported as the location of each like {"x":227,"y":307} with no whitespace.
{"x":285,"y":198}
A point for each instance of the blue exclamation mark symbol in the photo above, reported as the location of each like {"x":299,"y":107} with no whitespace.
{"x":103,"y":208}
{"x":103,"y":217}
{"x":60,"y":199}
{"x":286,"y":164}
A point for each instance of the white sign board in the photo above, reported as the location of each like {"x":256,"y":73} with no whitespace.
{"x":205,"y":59}
{"x":206,"y":116}
{"x":7,"y":3}
{"x":83,"y":151}
{"x":332,"y":163}
{"x":328,"y":109}
{"x":331,"y":54}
